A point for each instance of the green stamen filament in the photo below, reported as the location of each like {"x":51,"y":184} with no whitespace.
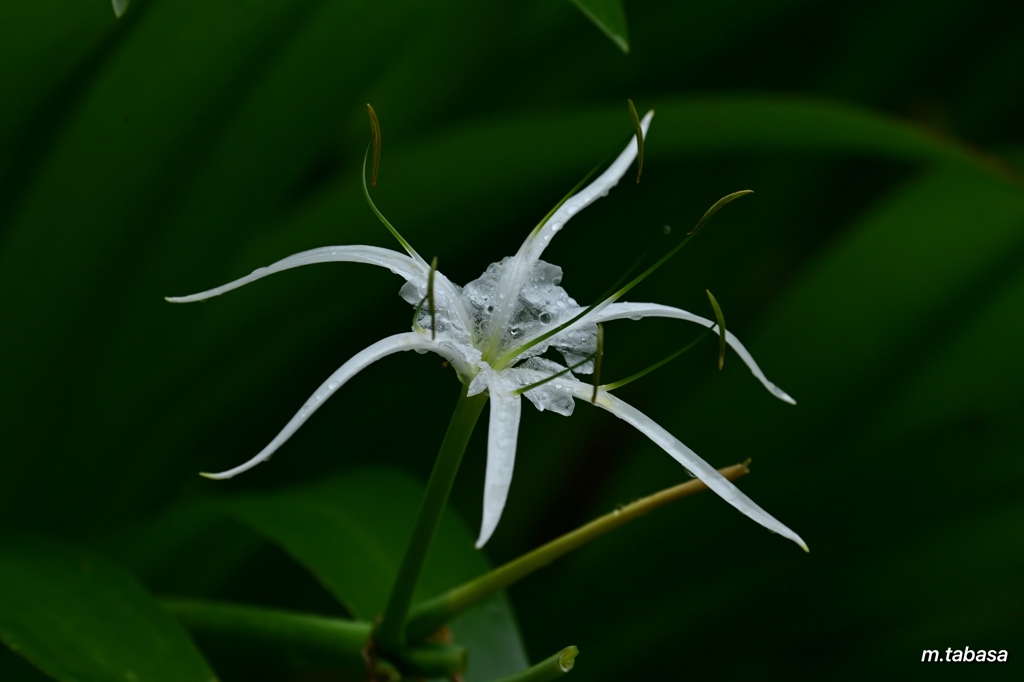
{"x":430,"y":296}
{"x":721,"y":329}
{"x":639,"y":140}
{"x":536,"y":384}
{"x":728,"y":198}
{"x":664,"y":361}
{"x":375,"y":127}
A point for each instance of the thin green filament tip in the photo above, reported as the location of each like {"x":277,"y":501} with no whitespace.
{"x":664,"y":361}
{"x":537,"y":384}
{"x":639,"y":140}
{"x":375,"y":145}
{"x":728,"y":198}
{"x":375,"y":128}
{"x":610,"y":295}
{"x":416,"y":315}
{"x":689,"y":235}
{"x":430,"y":296}
{"x":721,"y":328}
{"x":380,"y":216}
{"x":609,"y":298}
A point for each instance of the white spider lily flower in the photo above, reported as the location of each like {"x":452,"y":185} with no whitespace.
{"x":494,"y":330}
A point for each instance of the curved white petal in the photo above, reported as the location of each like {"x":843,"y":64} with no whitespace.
{"x":689,"y":459}
{"x":398,"y":263}
{"x":502,"y":433}
{"x":634,"y":311}
{"x":383,"y":348}
{"x":529,"y":253}
{"x":598,"y":188}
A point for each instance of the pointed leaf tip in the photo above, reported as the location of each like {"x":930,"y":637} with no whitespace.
{"x":119,"y":7}
{"x":639,"y":140}
{"x":727,"y":199}
{"x":609,"y":16}
{"x":375,"y":128}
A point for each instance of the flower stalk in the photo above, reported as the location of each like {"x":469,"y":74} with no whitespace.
{"x":330,"y":641}
{"x":390,"y":634}
{"x":430,"y":615}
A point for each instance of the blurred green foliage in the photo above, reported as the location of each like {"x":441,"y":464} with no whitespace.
{"x":875,"y":275}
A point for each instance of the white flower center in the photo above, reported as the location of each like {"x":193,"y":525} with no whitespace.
{"x":540,"y":305}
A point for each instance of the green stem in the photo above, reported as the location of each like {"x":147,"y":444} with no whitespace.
{"x":327,"y":639}
{"x":390,"y":634}
{"x":331,"y":641}
{"x":548,"y":669}
{"x":430,"y":615}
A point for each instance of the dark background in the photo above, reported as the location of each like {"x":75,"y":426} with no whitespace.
{"x":875,"y":275}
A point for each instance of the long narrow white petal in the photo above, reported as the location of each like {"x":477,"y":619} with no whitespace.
{"x":502,"y":433}
{"x":586,"y":196}
{"x":688,"y":458}
{"x":529,"y":253}
{"x":398,"y":263}
{"x":383,"y":348}
{"x":634,"y":311}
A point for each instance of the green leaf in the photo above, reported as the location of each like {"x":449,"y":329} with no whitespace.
{"x":350,"y":532}
{"x":58,"y":40}
{"x":81,"y":619}
{"x":608,"y":16}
